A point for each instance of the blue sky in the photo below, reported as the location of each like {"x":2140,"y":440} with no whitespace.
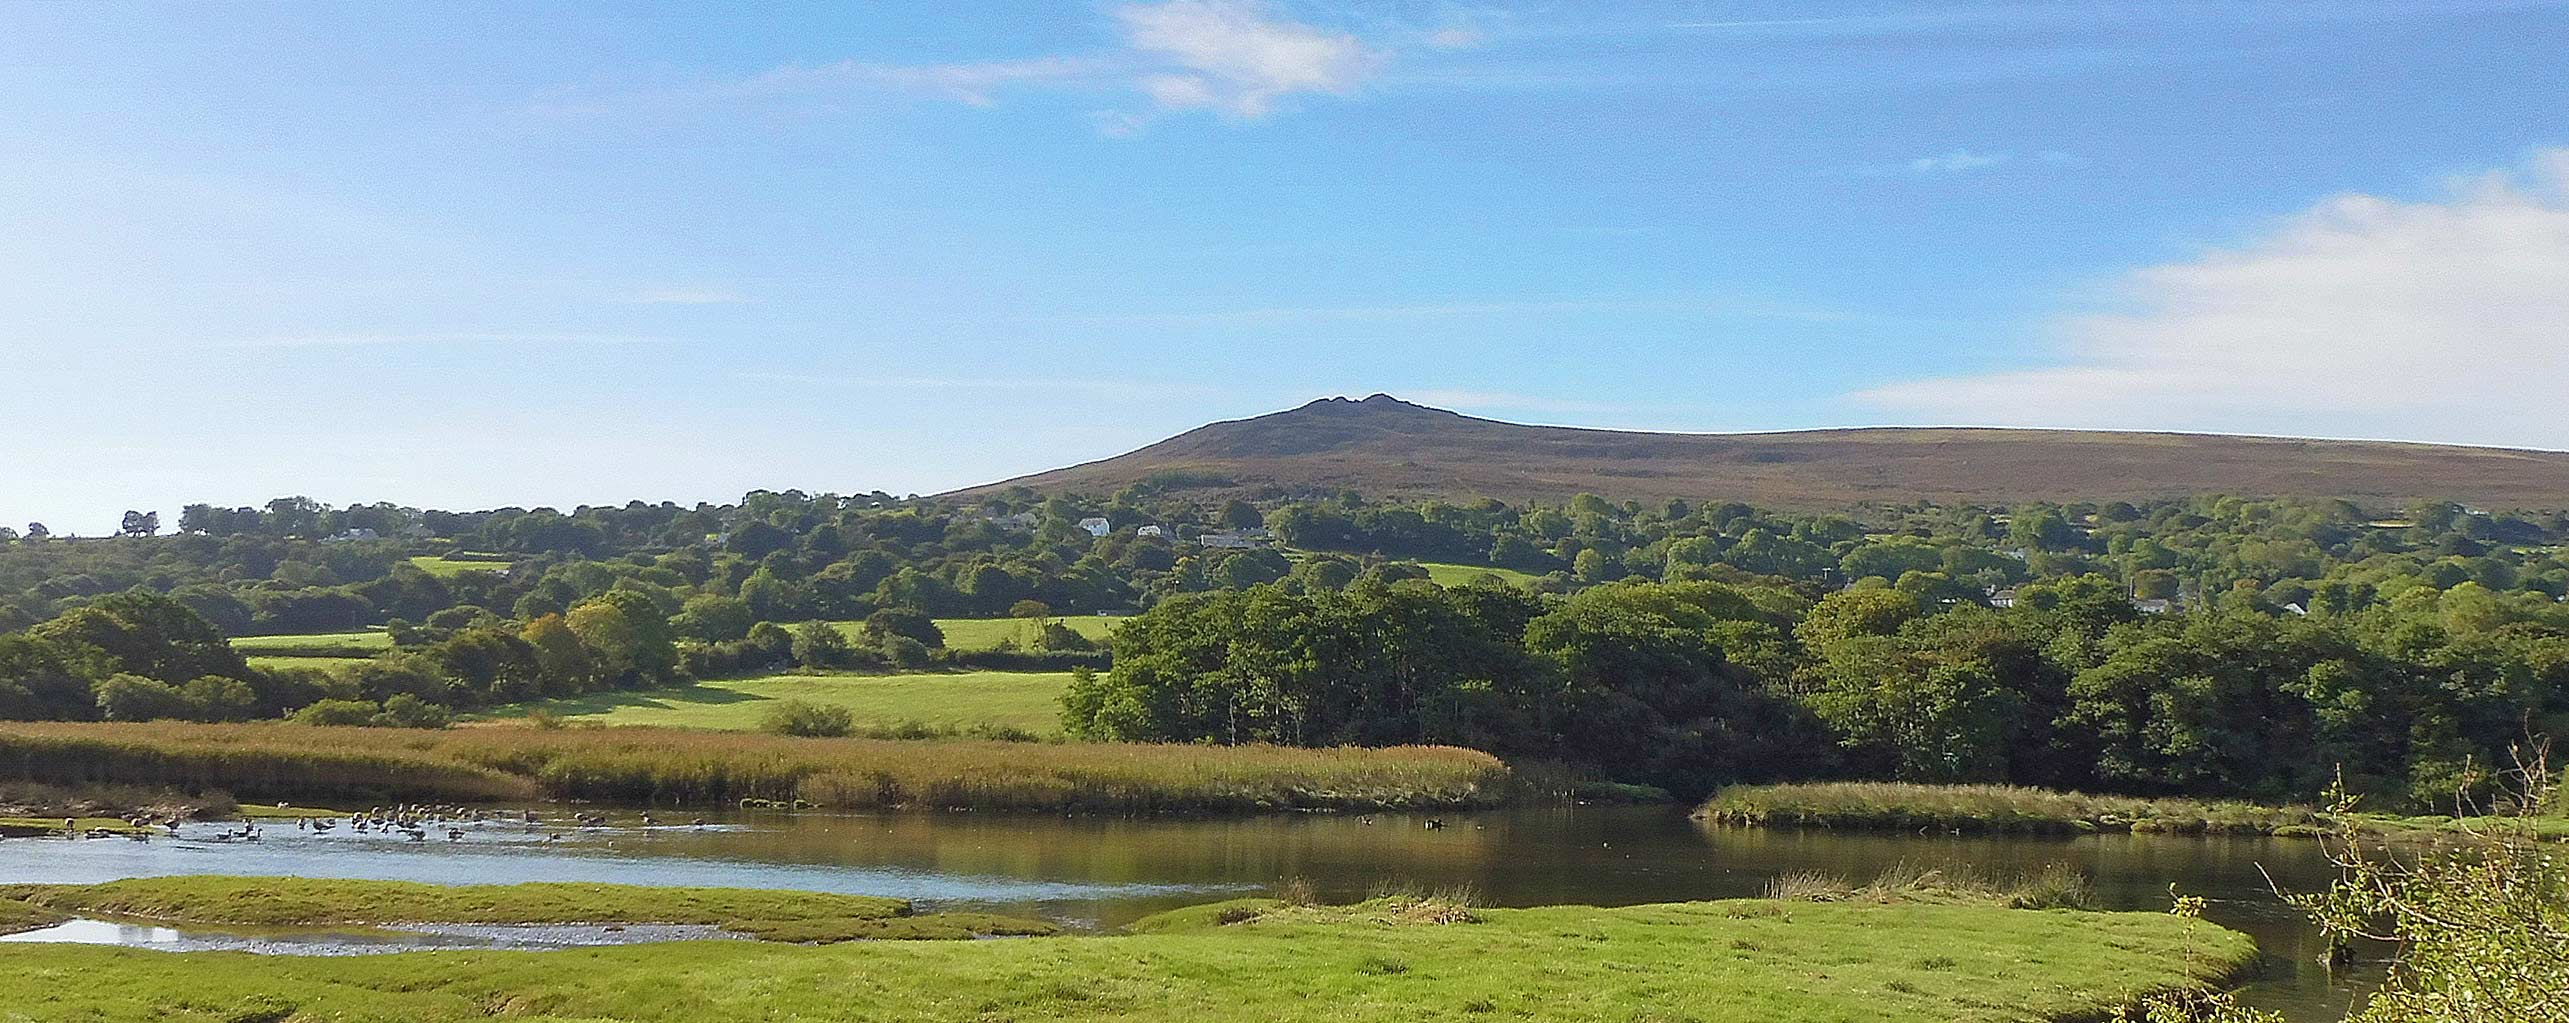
{"x":476,"y":255}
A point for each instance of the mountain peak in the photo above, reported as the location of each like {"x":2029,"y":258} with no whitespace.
{"x":1375,"y":402}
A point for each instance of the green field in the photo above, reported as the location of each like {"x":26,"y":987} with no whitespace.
{"x":1446,"y":573}
{"x":447,"y":568}
{"x":272,"y":662}
{"x":1028,"y":701}
{"x":1251,"y":961}
{"x":315,"y":644}
{"x":987,"y":633}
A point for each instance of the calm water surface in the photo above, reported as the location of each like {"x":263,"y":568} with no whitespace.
{"x":1103,"y":873}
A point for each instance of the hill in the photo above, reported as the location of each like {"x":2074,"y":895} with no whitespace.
{"x":1383,"y":446}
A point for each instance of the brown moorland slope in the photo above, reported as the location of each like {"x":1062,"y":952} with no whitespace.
{"x":1383,"y":446}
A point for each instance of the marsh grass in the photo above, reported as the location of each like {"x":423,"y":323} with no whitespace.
{"x":643,"y":765}
{"x":2001,"y":808}
{"x":267,"y":761}
{"x":2052,"y":886}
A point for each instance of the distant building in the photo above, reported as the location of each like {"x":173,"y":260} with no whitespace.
{"x":1153,"y":532}
{"x":1096,"y":525}
{"x":1024,"y":520}
{"x":2154,"y":606}
{"x":351,"y":536}
{"x":2002,"y":598}
{"x":2297,"y":609}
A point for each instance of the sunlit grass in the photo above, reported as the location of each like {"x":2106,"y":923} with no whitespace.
{"x":315,"y":644}
{"x":1023,"y":701}
{"x":1256,"y":961}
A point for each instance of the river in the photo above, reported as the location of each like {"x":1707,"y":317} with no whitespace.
{"x":1104,"y":872}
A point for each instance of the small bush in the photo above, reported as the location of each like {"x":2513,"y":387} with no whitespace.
{"x":338,"y":712}
{"x":807,"y":719}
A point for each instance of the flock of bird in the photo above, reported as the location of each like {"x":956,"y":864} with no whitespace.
{"x":414,"y":821}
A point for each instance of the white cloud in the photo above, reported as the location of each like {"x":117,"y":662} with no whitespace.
{"x":689,"y":296}
{"x":1957,"y":161}
{"x":1237,"y":58}
{"x":460,"y":337}
{"x":974,"y":82}
{"x":1457,"y":37}
{"x":2445,"y":319}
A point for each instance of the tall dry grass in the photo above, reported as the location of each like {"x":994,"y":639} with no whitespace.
{"x":258,"y":761}
{"x":644,"y":765}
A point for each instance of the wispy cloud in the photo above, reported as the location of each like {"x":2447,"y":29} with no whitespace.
{"x":969,"y":384}
{"x":1238,"y":58}
{"x":1956,"y":161}
{"x":1241,"y":60}
{"x":973,"y":82}
{"x":1716,"y":306}
{"x":2362,"y":316}
{"x":457,"y":337}
{"x":1510,"y":401}
{"x":1965,"y":160}
{"x":689,"y":296}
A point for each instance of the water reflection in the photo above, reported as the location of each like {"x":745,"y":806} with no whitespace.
{"x":1104,"y":872}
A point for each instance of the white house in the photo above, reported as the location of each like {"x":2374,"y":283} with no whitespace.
{"x":1153,"y":532}
{"x":2154,"y":606}
{"x":2001,"y":598}
{"x":1095,"y":525}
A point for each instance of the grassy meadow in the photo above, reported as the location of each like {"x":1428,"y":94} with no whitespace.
{"x":268,"y":662}
{"x":1445,"y":573}
{"x":1021,"y":701}
{"x":269,"y":762}
{"x":990,"y":633}
{"x":315,"y":644}
{"x":449,"y":567}
{"x":1401,"y":958}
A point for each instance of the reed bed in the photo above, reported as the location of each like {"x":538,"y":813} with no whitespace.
{"x":1894,"y":806}
{"x":259,"y":761}
{"x":644,"y":765}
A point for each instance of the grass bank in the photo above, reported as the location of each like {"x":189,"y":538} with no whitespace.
{"x":2004,"y":808}
{"x":796,"y":916}
{"x":1028,"y":702}
{"x":1252,"y":962}
{"x":269,"y":762}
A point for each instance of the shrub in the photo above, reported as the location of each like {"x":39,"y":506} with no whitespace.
{"x":807,"y":719}
{"x":135,"y":698}
{"x":906,"y":652}
{"x":404,"y":710}
{"x":338,"y":712}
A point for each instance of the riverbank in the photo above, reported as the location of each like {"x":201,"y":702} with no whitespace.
{"x":1401,"y":958}
{"x":360,"y":766}
{"x":795,"y":916}
{"x":1892,"y":806}
{"x":2007,"y":809}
